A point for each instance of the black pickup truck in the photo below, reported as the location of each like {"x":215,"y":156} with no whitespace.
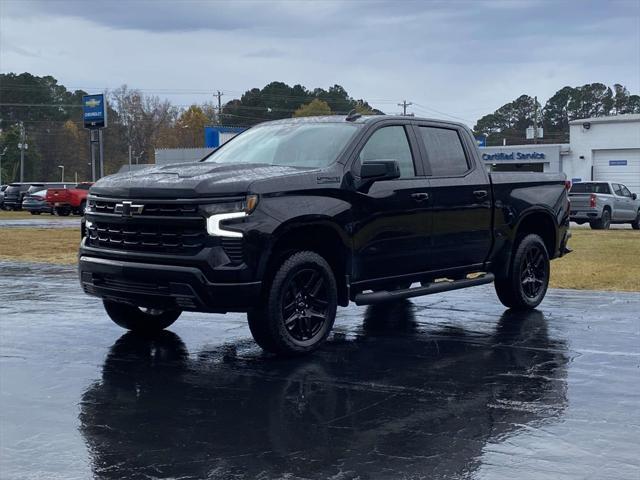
{"x":294,"y":217}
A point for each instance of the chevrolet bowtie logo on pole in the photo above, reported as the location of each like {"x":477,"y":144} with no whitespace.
{"x":128,"y":209}
{"x":92,"y":103}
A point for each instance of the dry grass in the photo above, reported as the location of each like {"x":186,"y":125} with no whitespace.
{"x":48,"y":245}
{"x":601,"y":260}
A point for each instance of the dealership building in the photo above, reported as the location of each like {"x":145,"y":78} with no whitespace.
{"x":602,"y":148}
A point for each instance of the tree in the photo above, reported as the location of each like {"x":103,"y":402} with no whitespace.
{"x":510,"y":121}
{"x":314,"y":108}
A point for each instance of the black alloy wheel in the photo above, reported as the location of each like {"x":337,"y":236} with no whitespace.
{"x":527,"y":279}
{"x":300,"y":306}
{"x":305,"y":302}
{"x":534,"y":275}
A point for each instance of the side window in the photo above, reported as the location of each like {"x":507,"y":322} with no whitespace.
{"x":390,"y":143}
{"x":625,"y":191}
{"x":444,"y":151}
{"x":618,"y":189}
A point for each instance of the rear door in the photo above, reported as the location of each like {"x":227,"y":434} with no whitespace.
{"x":621,"y":209}
{"x":392,"y":232}
{"x":461,"y":201}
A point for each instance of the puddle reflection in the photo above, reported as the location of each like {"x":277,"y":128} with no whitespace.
{"x":395,"y":400}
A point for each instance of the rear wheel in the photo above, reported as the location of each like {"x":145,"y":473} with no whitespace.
{"x":636,"y":223}
{"x":300,"y":307}
{"x":140,"y":319}
{"x":83,"y":207}
{"x":604,"y":222}
{"x":528,"y":278}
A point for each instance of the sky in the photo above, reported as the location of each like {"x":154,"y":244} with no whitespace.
{"x":452,"y":59}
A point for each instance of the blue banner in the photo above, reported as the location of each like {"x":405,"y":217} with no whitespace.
{"x":94,"y":111}
{"x":617,"y":163}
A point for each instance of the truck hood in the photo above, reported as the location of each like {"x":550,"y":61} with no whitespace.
{"x":189,"y":180}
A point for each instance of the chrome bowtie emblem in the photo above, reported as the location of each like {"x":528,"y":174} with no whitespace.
{"x":128,"y":209}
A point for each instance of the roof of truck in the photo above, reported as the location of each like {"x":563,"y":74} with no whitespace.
{"x":357,"y":119}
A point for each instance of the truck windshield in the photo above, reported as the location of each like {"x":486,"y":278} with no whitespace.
{"x":590,"y":188}
{"x":291,"y":144}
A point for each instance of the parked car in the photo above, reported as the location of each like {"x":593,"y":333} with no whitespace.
{"x":14,"y":195}
{"x":604,"y":203}
{"x":16,"y":192}
{"x":69,"y":200}
{"x":2,"y":189}
{"x":294,"y":217}
{"x":36,"y":203}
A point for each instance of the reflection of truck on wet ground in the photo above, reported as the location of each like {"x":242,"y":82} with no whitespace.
{"x":396,"y":399}
{"x":69,"y":200}
{"x":604,"y":203}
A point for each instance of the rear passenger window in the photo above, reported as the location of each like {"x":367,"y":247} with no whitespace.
{"x":444,"y":151}
{"x":390,"y":143}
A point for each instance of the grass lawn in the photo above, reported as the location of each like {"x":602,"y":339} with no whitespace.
{"x":601,"y":260}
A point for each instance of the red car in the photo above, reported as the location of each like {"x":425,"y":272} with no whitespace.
{"x":69,"y":200}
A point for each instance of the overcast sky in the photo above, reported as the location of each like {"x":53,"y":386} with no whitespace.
{"x":461,"y":59}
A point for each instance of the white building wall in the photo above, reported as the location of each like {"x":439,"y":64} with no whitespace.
{"x":605,"y":133}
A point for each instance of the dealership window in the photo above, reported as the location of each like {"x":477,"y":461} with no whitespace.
{"x":444,"y":151}
{"x":390,"y":143}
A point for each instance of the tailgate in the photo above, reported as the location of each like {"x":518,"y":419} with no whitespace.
{"x":58,"y":195}
{"x":580,"y":201}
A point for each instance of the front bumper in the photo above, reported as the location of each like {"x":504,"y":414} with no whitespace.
{"x":164,"y":286}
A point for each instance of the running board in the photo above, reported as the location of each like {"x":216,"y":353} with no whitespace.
{"x":385,"y":295}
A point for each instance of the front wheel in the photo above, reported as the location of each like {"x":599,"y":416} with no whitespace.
{"x":62,"y":211}
{"x":300,"y":306}
{"x":140,"y":319}
{"x":636,"y":223}
{"x":528,"y":278}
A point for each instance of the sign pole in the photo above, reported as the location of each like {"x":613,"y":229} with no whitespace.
{"x":93,"y":155}
{"x":101,"y":153}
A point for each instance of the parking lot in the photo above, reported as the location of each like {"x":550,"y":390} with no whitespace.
{"x":446,"y":386}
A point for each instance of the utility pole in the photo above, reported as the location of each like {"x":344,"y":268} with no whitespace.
{"x":219,"y":95}
{"x":22,"y":146}
{"x":2,"y":155}
{"x":404,"y":106}
{"x":535,"y":120}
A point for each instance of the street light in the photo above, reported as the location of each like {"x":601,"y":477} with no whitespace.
{"x":62,"y":175}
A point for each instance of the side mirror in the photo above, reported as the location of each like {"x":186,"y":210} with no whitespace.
{"x":378,"y":170}
{"x":634,"y":196}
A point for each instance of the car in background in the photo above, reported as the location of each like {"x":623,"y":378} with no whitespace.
{"x":14,"y":194}
{"x":36,"y":203}
{"x":604,"y":203}
{"x":2,"y":189}
{"x":69,"y":200}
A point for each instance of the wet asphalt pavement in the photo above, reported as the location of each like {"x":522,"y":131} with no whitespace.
{"x":446,"y":386}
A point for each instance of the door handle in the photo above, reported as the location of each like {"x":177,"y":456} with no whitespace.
{"x":480,"y":194}
{"x":420,"y":196}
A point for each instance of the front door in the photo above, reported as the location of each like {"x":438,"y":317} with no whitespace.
{"x":391,"y":233}
{"x":461,"y":199}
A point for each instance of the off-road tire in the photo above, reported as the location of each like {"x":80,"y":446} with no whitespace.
{"x":62,"y":211}
{"x":138,"y":320}
{"x":288,"y":284}
{"x":517,"y":292}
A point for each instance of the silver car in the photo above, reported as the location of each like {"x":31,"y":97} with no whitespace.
{"x":604,"y":203}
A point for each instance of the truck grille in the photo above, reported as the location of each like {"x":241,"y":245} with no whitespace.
{"x":146,"y":238}
{"x":150,"y":209}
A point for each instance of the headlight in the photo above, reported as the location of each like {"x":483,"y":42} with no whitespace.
{"x":218,"y":212}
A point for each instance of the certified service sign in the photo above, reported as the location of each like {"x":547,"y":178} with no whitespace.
{"x":94,"y":111}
